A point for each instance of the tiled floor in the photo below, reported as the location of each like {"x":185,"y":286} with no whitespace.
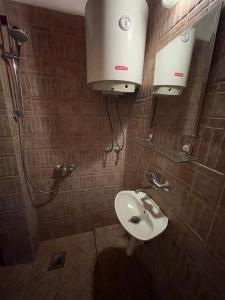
{"x":96,"y":268}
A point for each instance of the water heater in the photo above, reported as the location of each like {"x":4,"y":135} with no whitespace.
{"x":115,"y":44}
{"x":173,"y":64}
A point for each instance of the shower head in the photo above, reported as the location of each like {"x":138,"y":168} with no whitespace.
{"x":18,"y":34}
{"x":19,"y":37}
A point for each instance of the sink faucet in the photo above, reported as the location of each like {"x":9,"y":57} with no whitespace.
{"x":143,"y":190}
{"x":152,"y":178}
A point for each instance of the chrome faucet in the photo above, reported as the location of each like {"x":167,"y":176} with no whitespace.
{"x":65,"y":169}
{"x":155,"y":182}
{"x":143,"y":189}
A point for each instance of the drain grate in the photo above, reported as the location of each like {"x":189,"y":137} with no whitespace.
{"x":57,"y":261}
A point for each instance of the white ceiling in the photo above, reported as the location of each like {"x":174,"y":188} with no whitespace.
{"x":68,"y":6}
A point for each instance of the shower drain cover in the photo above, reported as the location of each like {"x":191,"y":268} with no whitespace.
{"x":57,"y":261}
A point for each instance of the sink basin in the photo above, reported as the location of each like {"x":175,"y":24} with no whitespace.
{"x":139,"y":215}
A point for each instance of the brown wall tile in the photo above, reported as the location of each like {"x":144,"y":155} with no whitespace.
{"x":64,"y":122}
{"x":188,"y":260}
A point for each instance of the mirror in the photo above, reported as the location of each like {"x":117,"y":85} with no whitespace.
{"x":180,"y":114}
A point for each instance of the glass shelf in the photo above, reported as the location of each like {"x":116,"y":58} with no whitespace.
{"x":177,"y":157}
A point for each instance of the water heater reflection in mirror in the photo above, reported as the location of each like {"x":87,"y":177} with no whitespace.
{"x":173,"y":64}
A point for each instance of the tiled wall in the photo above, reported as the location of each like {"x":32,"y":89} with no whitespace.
{"x":188,"y":261}
{"x":18,"y":230}
{"x":65,"y":122}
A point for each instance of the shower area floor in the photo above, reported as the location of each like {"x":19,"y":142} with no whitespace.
{"x":96,"y":268}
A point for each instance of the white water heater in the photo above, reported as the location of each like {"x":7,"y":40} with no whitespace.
{"x":115,"y":44}
{"x":173,"y":64}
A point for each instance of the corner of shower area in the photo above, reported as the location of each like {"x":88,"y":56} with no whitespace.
{"x":18,"y":231}
{"x":62,"y":153}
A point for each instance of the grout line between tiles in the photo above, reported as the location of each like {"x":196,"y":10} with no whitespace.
{"x":211,"y":224}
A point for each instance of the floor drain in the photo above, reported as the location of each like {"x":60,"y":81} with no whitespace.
{"x":57,"y":261}
{"x":135,"y":220}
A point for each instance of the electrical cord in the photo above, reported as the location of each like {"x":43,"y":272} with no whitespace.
{"x":152,"y":123}
{"x":121,"y":127}
{"x":109,"y":149}
{"x":118,"y":148}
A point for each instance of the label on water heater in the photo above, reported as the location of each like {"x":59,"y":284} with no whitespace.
{"x":121,"y":68}
{"x":179,"y":74}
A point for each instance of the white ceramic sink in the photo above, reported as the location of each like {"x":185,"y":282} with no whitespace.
{"x":150,"y":222}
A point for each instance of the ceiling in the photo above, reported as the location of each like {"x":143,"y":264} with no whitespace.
{"x":68,"y":6}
